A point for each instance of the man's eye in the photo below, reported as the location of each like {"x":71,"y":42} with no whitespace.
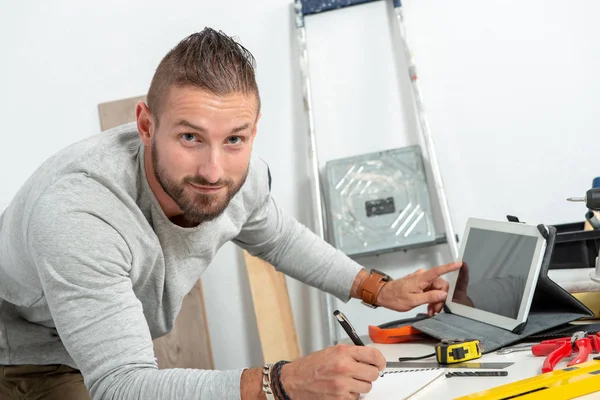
{"x":188,"y":137}
{"x":234,"y":139}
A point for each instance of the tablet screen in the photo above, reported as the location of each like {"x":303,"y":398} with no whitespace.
{"x":495,"y":269}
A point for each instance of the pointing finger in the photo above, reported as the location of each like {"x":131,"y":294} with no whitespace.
{"x":417,"y":272}
{"x":438,"y":271}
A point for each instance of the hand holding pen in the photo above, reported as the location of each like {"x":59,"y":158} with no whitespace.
{"x":347,"y":326}
{"x":340,"y":371}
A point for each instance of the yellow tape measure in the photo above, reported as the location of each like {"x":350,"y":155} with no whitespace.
{"x":450,"y":351}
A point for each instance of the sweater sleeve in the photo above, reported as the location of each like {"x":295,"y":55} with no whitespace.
{"x":295,"y":250}
{"x":83,"y":264}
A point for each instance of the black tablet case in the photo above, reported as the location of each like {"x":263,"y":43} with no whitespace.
{"x":552,"y":306}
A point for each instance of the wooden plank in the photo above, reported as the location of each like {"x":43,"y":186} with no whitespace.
{"x":118,"y":112}
{"x":275,"y":321}
{"x":188,"y":344}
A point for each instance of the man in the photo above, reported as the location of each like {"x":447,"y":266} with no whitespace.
{"x":101,"y":244}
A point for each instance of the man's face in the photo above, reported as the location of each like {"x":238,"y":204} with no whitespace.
{"x":201,"y":149}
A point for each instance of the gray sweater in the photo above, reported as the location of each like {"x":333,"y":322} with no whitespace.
{"x":91,"y":269}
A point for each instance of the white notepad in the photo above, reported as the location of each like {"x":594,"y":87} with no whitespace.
{"x":399,"y":384}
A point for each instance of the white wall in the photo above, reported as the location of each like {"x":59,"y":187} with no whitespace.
{"x":511,"y":88}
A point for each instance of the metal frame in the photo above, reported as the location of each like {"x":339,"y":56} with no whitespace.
{"x":303,"y":8}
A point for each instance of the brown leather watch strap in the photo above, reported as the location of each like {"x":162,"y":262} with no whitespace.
{"x":371,"y":286}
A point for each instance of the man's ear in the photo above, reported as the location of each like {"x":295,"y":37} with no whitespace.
{"x":145,"y":123}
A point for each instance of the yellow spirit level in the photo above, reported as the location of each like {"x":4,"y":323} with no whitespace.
{"x":567,"y":383}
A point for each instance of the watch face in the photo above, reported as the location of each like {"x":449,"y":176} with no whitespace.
{"x":384,"y":276}
{"x":369,"y":305}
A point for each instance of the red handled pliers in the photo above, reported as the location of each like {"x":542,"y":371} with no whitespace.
{"x":557,"y":349}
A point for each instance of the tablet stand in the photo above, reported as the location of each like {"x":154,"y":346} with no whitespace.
{"x":551,"y":306}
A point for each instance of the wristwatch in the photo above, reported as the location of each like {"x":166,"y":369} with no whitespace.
{"x":371,"y":286}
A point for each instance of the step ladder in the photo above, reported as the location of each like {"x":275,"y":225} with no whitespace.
{"x":303,"y":9}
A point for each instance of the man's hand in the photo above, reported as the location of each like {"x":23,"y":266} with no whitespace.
{"x":420,"y":287}
{"x":337,"y":372}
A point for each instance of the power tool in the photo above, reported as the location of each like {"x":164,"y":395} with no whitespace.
{"x":591,"y":199}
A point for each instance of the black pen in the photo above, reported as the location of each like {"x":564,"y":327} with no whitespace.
{"x":348,"y":327}
{"x":350,"y":330}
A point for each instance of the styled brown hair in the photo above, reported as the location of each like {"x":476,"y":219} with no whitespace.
{"x":208,"y":60}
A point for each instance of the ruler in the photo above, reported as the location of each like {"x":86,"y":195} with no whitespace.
{"x":463,"y":365}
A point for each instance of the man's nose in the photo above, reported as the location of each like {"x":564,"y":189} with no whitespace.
{"x":211,"y":169}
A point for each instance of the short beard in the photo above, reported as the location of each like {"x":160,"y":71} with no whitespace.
{"x":200,"y":207}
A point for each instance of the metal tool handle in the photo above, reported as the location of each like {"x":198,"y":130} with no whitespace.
{"x":519,"y":347}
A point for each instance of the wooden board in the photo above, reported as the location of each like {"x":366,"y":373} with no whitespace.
{"x":188,"y":344}
{"x":274,"y":318}
{"x":118,"y":112}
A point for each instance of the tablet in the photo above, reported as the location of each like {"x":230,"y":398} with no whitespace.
{"x":501,"y":265}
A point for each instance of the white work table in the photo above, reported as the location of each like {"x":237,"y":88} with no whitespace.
{"x":525,"y":365}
